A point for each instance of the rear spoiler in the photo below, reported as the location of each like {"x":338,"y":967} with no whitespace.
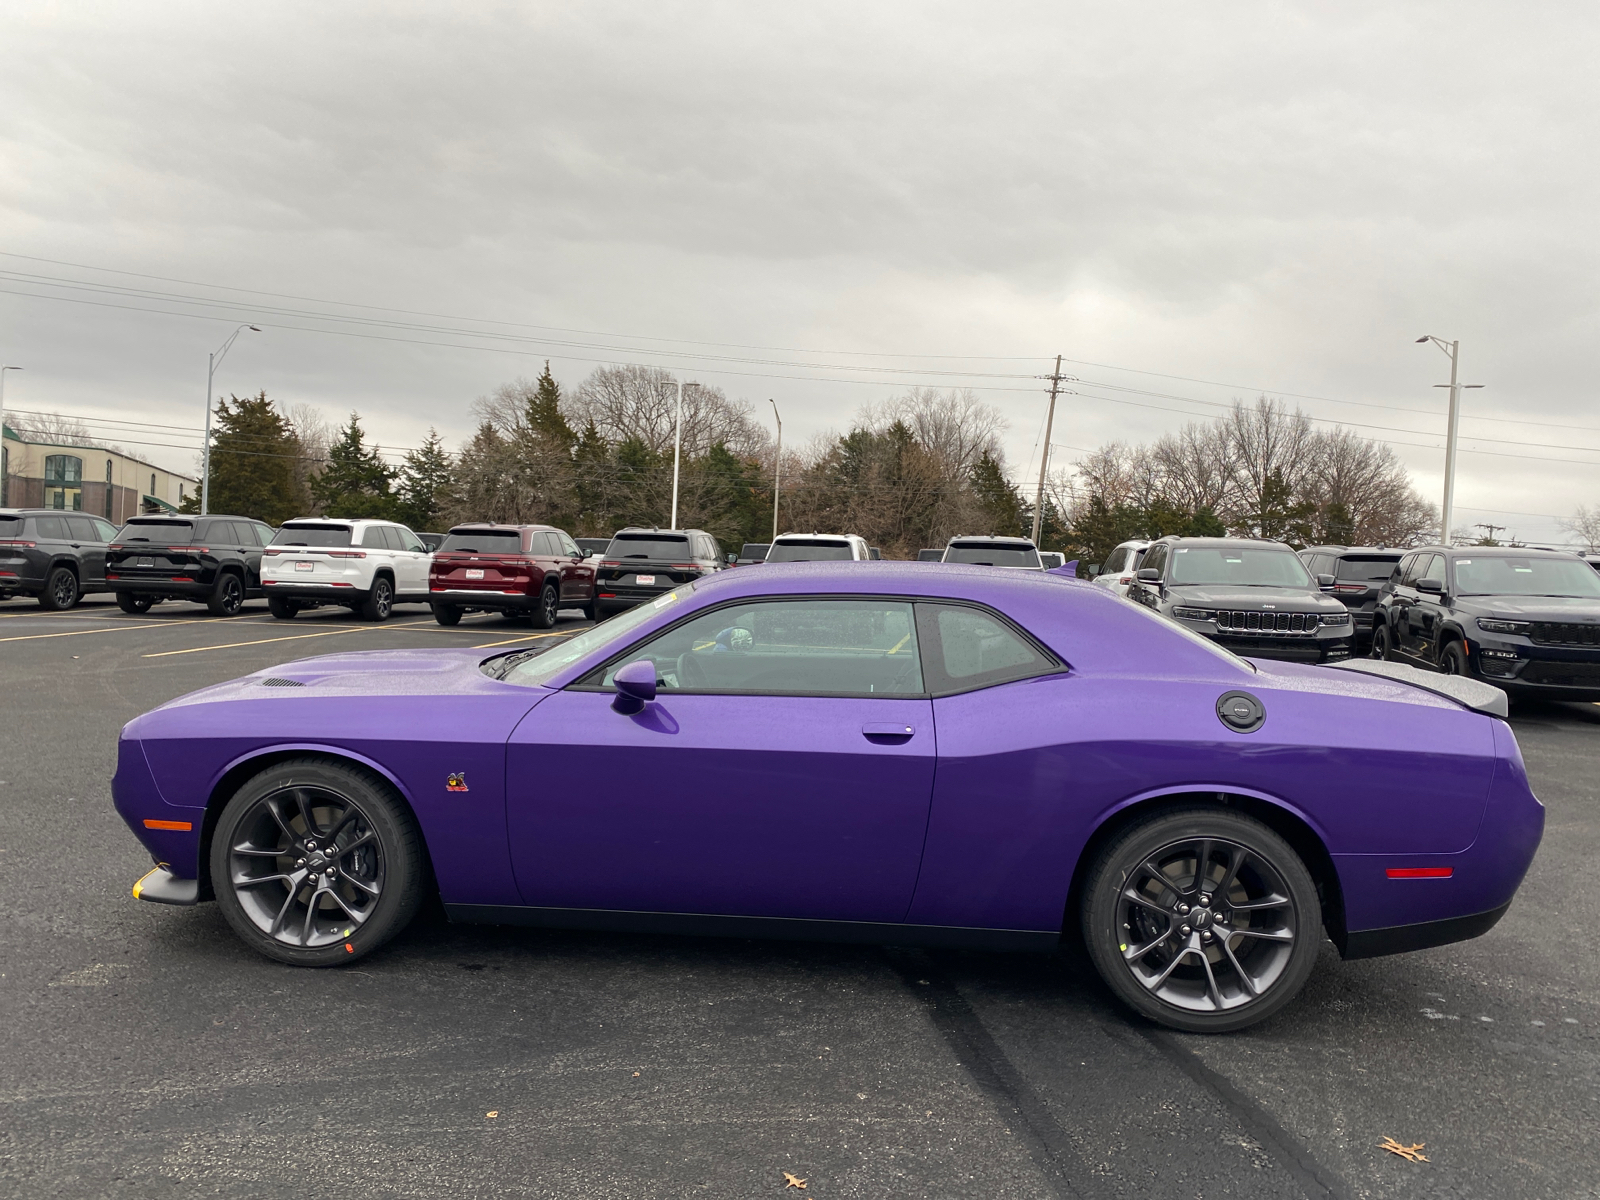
{"x":1470,"y":693}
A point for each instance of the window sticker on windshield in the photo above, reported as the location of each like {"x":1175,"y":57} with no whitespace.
{"x":1183,"y":549}
{"x":663,"y":601}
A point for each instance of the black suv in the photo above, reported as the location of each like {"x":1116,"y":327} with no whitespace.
{"x":56,"y":556}
{"x":214,"y":560}
{"x":1527,"y":621}
{"x":1359,"y":573}
{"x":640,"y":564}
{"x":1255,"y":598}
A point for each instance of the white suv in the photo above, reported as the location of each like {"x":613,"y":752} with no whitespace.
{"x":1117,"y":572}
{"x":818,"y":547}
{"x":367,"y":566}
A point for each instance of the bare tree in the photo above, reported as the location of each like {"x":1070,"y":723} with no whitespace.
{"x":640,"y":404}
{"x":955,"y":426}
{"x":52,"y":427}
{"x":1585,"y":526}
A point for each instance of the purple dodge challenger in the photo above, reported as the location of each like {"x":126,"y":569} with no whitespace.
{"x":886,"y":752}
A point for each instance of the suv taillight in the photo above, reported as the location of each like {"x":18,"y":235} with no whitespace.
{"x":345,"y":553}
{"x":17,"y":542}
{"x":188,"y":549}
{"x":1349,"y":588}
{"x":684,"y":567}
{"x":610,"y":562}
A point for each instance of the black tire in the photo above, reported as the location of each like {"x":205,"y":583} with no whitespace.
{"x":1454,"y":661}
{"x":131,"y":602}
{"x":380,"y":600}
{"x":60,"y":590}
{"x":227,"y":598}
{"x":544,"y":615}
{"x":446,"y":614}
{"x":367,"y":894}
{"x":1163,"y":955}
{"x":1381,"y":647}
{"x":283,"y":608}
{"x":590,"y":610}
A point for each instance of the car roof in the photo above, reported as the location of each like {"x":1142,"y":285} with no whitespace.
{"x":501,"y":525}
{"x":991,"y":539}
{"x":1503,"y":551}
{"x":293,"y":521}
{"x":1226,"y":543}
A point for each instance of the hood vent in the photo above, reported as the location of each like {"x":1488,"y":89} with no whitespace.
{"x":277,"y":682}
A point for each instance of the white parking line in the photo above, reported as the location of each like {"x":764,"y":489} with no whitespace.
{"x":293,"y":637}
{"x":29,"y":637}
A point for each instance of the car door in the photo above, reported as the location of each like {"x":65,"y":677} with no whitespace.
{"x":90,"y":547}
{"x":414,"y":554}
{"x":784,"y":770}
{"x":577,"y":576}
{"x":1427,"y":614}
{"x":1408,"y":603}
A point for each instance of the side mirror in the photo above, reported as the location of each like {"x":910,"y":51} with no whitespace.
{"x":732,"y":558}
{"x":1094,"y":569}
{"x":636,"y":686}
{"x":1148,"y":575}
{"x":1431,"y":586}
{"x":1324,"y":582}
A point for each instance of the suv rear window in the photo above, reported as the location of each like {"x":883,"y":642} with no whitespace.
{"x":313,"y":535}
{"x":810,"y":550}
{"x":10,"y":527}
{"x":662,"y":547}
{"x":482,"y":541}
{"x":1366,"y":570}
{"x":992,"y":554}
{"x":139,"y":530}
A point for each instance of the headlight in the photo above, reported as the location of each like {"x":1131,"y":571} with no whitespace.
{"x":1194,"y":614}
{"x":1490,"y":626}
{"x":1336,"y":618}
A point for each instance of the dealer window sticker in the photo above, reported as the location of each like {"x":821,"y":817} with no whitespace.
{"x":663,"y":601}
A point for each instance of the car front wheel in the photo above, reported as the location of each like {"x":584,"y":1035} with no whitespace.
{"x":315,"y":863}
{"x":1380,"y":644}
{"x":1202,"y":919}
{"x":128,"y":602}
{"x":446,"y":614}
{"x":283,"y":608}
{"x":1454,"y":660}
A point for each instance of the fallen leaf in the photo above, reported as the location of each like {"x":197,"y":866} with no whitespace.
{"x":495,"y":1113}
{"x":1409,"y":1153}
{"x":636,"y":1074}
{"x":793,"y":1181}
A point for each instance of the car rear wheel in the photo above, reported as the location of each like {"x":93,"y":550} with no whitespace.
{"x":544,"y":616}
{"x":60,"y":590}
{"x":1380,"y":643}
{"x":446,"y":614}
{"x":1202,"y":919}
{"x":129,"y":602}
{"x":227,"y":598}
{"x":315,"y":863}
{"x":283,"y":608}
{"x":380,"y":600}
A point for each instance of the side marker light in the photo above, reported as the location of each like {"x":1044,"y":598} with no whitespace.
{"x":1420,"y":872}
{"x":176,"y":826}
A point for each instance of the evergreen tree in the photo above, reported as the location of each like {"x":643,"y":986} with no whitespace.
{"x":1205,"y":523}
{"x":998,"y":501}
{"x":424,"y":490}
{"x":356,"y":482}
{"x":1281,"y":518}
{"x":544,"y":413}
{"x":253,"y":457}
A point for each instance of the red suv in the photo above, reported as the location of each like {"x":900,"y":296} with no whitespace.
{"x":519,"y":570}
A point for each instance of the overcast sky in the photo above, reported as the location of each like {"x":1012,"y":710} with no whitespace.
{"x":1252,"y":198}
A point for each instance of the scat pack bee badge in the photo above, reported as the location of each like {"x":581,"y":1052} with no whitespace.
{"x":457,"y":782}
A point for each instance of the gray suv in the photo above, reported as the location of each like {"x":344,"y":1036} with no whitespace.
{"x":54,"y":555}
{"x":1255,"y":598}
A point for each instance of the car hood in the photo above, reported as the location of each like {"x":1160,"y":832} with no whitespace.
{"x":1533,"y":608}
{"x":430,"y":672}
{"x":1281,"y":599}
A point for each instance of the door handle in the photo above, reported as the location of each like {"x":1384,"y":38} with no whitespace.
{"x":888,"y":733}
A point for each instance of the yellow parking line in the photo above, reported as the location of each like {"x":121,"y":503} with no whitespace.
{"x":526,"y":638}
{"x":29,"y":637}
{"x":293,"y":637}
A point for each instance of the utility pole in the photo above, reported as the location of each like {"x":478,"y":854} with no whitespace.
{"x":1489,"y":529}
{"x":677,"y":454}
{"x":1044,"y":457}
{"x":3,"y":370}
{"x":1453,"y":350}
{"x":777,"y":467}
{"x":212,"y":364}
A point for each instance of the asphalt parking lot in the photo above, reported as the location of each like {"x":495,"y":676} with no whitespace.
{"x":147,"y":1053}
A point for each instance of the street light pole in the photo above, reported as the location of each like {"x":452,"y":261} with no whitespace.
{"x":212,"y":363}
{"x":3,"y":371}
{"x":1453,"y":350}
{"x":777,"y":467}
{"x":677,"y":454}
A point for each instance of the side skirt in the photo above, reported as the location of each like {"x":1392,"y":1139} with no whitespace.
{"x":784,"y":928}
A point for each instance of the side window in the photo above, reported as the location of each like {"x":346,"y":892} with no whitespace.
{"x":863,"y":647}
{"x":372,"y":538}
{"x":1113,"y":564}
{"x":967,"y":648}
{"x":1155,"y":559}
{"x":263,"y":534}
{"x":568,"y":546}
{"x":82,"y":529}
{"x":1403,"y":569}
{"x":105,"y":529}
{"x":410,"y":541}
{"x":51,"y":528}
{"x":1434,"y":571}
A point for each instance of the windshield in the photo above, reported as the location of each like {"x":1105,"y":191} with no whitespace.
{"x":810,"y":550}
{"x":1242,"y":566}
{"x":158,"y":531}
{"x":661,"y":547}
{"x":1366,"y":570}
{"x":530,"y":668}
{"x":482,"y":541}
{"x":313,"y":535}
{"x":1497,"y":576}
{"x":997,"y":554}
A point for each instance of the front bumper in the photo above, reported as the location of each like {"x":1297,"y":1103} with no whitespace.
{"x":1530,"y":670}
{"x":1315,"y":648}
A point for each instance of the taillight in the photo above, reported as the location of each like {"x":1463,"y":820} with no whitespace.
{"x":269,"y":552}
{"x":683,"y":566}
{"x":345,"y":553}
{"x":188,"y":549}
{"x":610,"y":562}
{"x":1349,"y":588}
{"x":1126,"y":579}
{"x":17,"y":542}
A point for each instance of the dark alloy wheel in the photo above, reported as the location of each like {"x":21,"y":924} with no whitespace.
{"x":60,"y":590}
{"x":283,"y":608}
{"x":380,"y":600}
{"x":1202,"y":919}
{"x":131,"y":602}
{"x":1454,"y":660}
{"x":544,"y":616}
{"x":228,"y":596}
{"x":1380,"y":643}
{"x":446,"y":614}
{"x":315,"y":863}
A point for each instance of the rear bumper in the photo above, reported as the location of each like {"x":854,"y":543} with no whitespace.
{"x":496,"y":601}
{"x":160,"y":587}
{"x":337,"y":593}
